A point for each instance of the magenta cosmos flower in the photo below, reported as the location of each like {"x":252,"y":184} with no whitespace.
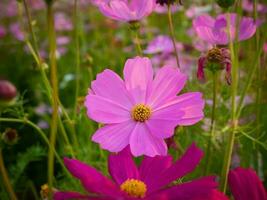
{"x":149,"y":181}
{"x":246,"y":185}
{"x":141,"y":111}
{"x":126,"y":10}
{"x":215,"y":31}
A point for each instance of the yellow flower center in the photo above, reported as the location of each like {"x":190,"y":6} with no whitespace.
{"x":215,"y":55}
{"x":134,"y":188}
{"x":141,"y":113}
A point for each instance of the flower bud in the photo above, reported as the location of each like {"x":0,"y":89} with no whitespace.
{"x":225,"y":3}
{"x":8,"y":91}
{"x":10,"y":136}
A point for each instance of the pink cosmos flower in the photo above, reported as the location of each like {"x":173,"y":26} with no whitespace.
{"x":246,"y":185}
{"x":141,"y":111}
{"x":215,"y":31}
{"x":149,"y":181}
{"x":127,"y":10}
{"x":159,"y":44}
{"x":16,"y":31}
{"x":248,"y":6}
{"x":62,"y":22}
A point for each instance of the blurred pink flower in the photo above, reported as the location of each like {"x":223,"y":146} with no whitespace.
{"x":127,"y":11}
{"x":16,"y":31}
{"x":63,"y":40}
{"x":160,"y":44}
{"x":2,"y":31}
{"x":246,"y":185}
{"x":195,"y":11}
{"x":215,"y":31}
{"x":142,"y":112}
{"x":248,"y":6}
{"x":265,"y":47}
{"x":149,"y":181}
{"x":62,"y":22}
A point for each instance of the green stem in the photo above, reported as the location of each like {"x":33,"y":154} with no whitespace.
{"x":231,"y":139}
{"x":5,"y":178}
{"x":212,"y":125}
{"x":77,"y":50}
{"x":137,"y":41}
{"x":38,"y":60}
{"x":173,"y":35}
{"x":54,"y":84}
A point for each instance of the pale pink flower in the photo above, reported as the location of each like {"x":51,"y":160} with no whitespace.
{"x":142,"y":110}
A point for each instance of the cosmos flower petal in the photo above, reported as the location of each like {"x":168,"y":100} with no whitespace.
{"x":106,"y":83}
{"x":114,"y":137}
{"x":195,"y":190}
{"x":181,"y":167}
{"x":168,"y":82}
{"x":92,"y":180}
{"x":206,"y":34}
{"x":247,"y":28}
{"x":105,"y":110}
{"x":68,"y":195}
{"x":191,"y":104}
{"x":163,"y":122}
{"x":203,"y":20}
{"x":151,"y":168}
{"x":142,"y":8}
{"x":122,"y":167}
{"x":142,"y":142}
{"x":246,"y":185}
{"x":138,"y":75}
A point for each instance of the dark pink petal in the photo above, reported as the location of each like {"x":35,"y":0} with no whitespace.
{"x":169,"y":81}
{"x":114,"y":137}
{"x":106,"y":83}
{"x":142,"y":142}
{"x":203,"y":20}
{"x":195,"y":190}
{"x":180,"y":168}
{"x":92,"y":180}
{"x":151,"y":168}
{"x":215,"y":195}
{"x":104,"y":110}
{"x":69,"y":195}
{"x":246,"y":185}
{"x":228,"y":75}
{"x":138,"y":75}
{"x":122,"y":167}
{"x":200,"y":69}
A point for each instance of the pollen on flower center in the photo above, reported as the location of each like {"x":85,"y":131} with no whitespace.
{"x":215,"y":55}
{"x":141,"y":113}
{"x":134,"y":188}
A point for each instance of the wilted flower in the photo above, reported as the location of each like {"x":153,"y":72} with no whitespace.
{"x":216,"y":59}
{"x":142,"y":112}
{"x":215,"y":31}
{"x":10,"y":136}
{"x":127,"y":11}
{"x":246,"y":185}
{"x":151,"y":180}
{"x":8,"y":91}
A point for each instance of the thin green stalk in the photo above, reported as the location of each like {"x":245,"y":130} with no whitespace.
{"x":231,"y":139}
{"x":173,"y":35}
{"x":39,"y":62}
{"x":5,"y":178}
{"x":77,"y":50}
{"x":212,"y":125}
{"x":54,"y":84}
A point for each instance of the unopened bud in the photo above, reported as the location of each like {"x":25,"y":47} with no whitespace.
{"x":7,"y":91}
{"x":10,"y":136}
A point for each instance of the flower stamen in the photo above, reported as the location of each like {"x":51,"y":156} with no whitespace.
{"x":141,"y":113}
{"x":134,"y":188}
